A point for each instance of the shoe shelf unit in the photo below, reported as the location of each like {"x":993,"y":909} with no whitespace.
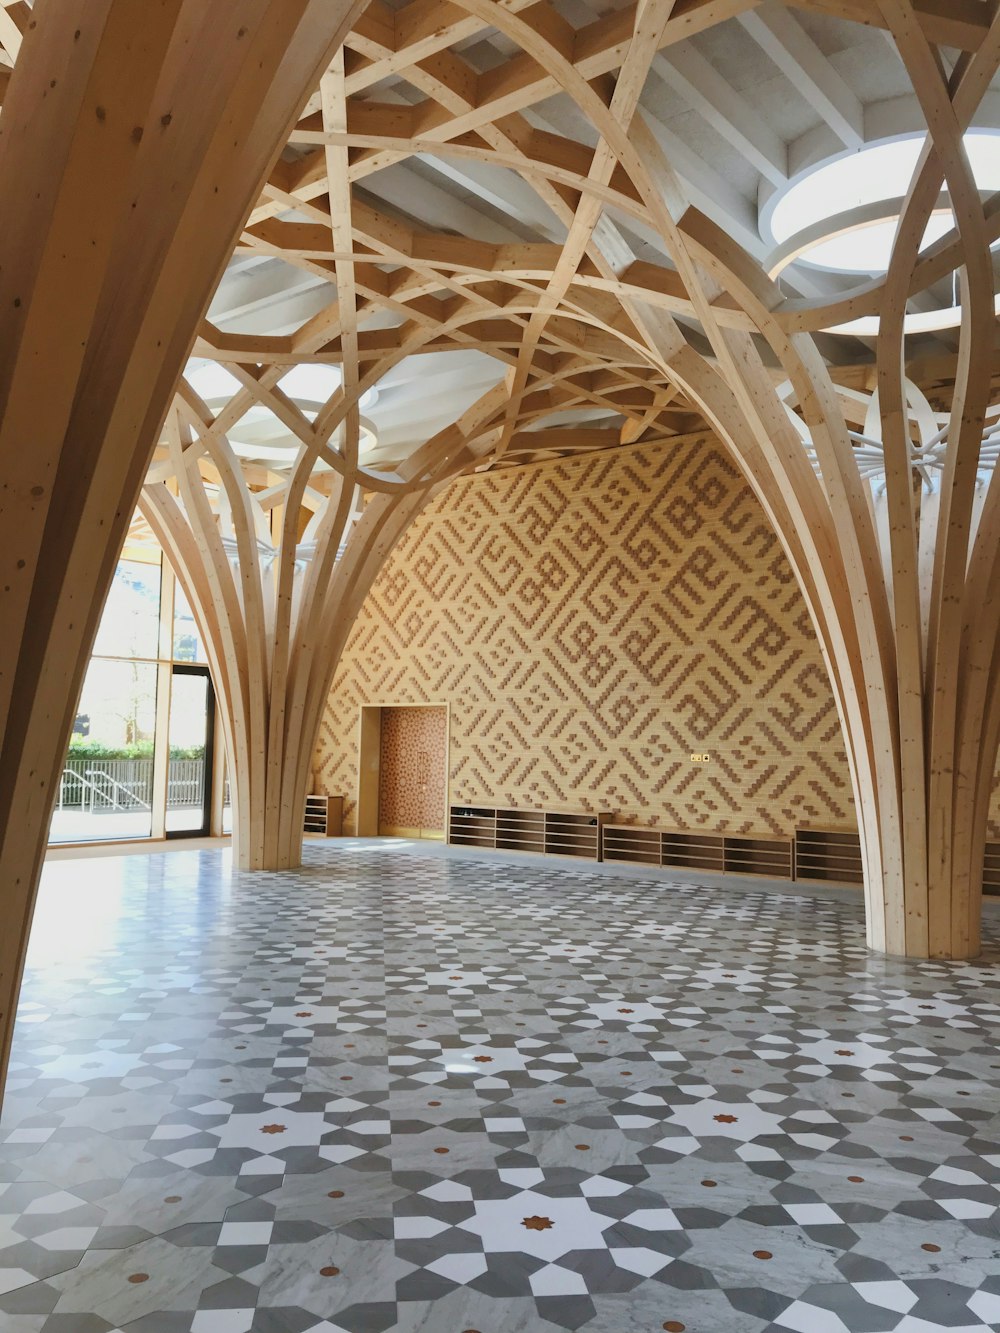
{"x":991,"y":869}
{"x":760,"y":855}
{"x":825,"y":856}
{"x":521,"y":830}
{"x":472,"y":826}
{"x":691,"y":850}
{"x":570,"y":833}
{"x":813,"y":856}
{"x":549,"y":832}
{"x":631,"y":844}
{"x":710,"y":853}
{"x":324,"y":816}
{"x":828,"y":856}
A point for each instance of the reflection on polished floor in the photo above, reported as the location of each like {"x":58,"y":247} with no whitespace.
{"x":399,"y":1089}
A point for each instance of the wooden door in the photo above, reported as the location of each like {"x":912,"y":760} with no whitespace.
{"x":413,"y":772}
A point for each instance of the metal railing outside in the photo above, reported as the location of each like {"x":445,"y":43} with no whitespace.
{"x":127,"y":784}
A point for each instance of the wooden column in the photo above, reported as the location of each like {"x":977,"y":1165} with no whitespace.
{"x":134,"y":140}
{"x":906,"y":608}
{"x":275,"y":602}
{"x":900,"y":569}
{"x":922,"y":798}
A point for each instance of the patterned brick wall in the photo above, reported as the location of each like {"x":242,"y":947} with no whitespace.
{"x":592,"y":622}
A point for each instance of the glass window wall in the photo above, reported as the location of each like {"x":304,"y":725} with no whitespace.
{"x":106,"y":788}
{"x":141,"y":756}
{"x":188,"y":646}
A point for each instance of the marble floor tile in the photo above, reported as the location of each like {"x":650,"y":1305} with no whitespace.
{"x":405,"y":1090}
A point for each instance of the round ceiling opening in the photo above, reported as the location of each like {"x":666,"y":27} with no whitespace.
{"x":842,"y":216}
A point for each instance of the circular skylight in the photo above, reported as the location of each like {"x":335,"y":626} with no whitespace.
{"x":311,"y":383}
{"x":830,"y":217}
{"x":211,"y":381}
{"x":315,"y":383}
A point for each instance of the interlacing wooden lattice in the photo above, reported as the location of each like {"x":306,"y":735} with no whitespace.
{"x":899,"y":587}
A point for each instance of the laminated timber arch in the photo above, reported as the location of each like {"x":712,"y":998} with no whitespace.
{"x":276,"y":565}
{"x":275,"y":598}
{"x":161,"y":126}
{"x":915,"y":667}
{"x":134,"y":139}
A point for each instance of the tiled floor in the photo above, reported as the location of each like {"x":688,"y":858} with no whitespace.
{"x":399,"y":1090}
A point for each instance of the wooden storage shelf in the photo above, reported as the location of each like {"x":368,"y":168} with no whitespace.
{"x":687,"y":850}
{"x":709,"y":853}
{"x":324,"y":816}
{"x":770,"y":858}
{"x":521,"y":830}
{"x":472,"y":826}
{"x":555,"y":832}
{"x":631,"y":844}
{"x":991,"y":868}
{"x":828,"y":856}
{"x":818,"y":855}
{"x":570,"y":834}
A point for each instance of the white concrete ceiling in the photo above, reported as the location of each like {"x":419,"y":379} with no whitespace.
{"x":738,"y":110}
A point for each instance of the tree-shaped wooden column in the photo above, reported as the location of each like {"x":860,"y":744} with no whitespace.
{"x":276,"y":566}
{"x":914,"y":602}
{"x":904,"y":592}
{"x":899,"y":562}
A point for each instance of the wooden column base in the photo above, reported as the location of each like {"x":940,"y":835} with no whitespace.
{"x":925,"y":910}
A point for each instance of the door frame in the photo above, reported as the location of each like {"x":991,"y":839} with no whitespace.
{"x":198,"y":669}
{"x":370,"y":762}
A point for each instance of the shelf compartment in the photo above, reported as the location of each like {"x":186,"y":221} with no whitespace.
{"x":828,"y":856}
{"x":631,"y":844}
{"x":991,"y":868}
{"x":687,"y":850}
{"x":323,"y":816}
{"x":572,"y":833}
{"x":759,"y":856}
{"x":521,"y":830}
{"x":472,"y":826}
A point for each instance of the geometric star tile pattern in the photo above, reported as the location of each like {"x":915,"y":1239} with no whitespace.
{"x":404,"y":1089}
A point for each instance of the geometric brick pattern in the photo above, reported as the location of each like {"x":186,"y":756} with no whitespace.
{"x":592,"y":622}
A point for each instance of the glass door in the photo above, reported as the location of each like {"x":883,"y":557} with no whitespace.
{"x":191,"y":739}
{"x":106,"y":785}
